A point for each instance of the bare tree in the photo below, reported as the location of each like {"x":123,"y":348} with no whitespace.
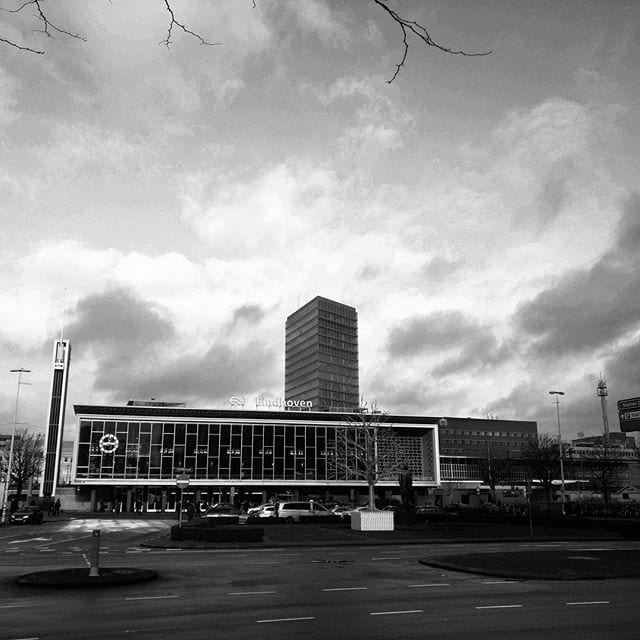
{"x":542,"y":457}
{"x":27,"y":458}
{"x":368,"y":449}
{"x":606,"y":463}
{"x":495,"y":471}
{"x":50,"y":29}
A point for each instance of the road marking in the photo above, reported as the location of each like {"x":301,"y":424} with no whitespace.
{"x":285,"y":555}
{"x":347,"y":589}
{"x":594,"y":602}
{"x":151,"y":597}
{"x":433,"y":584}
{"x":286,"y":619}
{"x":268,"y":562}
{"x":387,"y":558}
{"x":395,"y":613}
{"x":249,"y":593}
{"x":501,"y":606}
{"x":499,"y":581}
{"x":30,"y":540}
{"x":11,"y":606}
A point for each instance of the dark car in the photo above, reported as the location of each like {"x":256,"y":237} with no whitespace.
{"x":27,"y":515}
{"x":223,"y":511}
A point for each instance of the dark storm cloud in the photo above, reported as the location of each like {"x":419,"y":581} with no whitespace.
{"x":120,"y":319}
{"x":249,"y":314}
{"x":423,"y":334}
{"x":590,"y":308}
{"x":475,"y":346}
{"x":440,"y":269}
{"x":214,"y":375}
{"x":481,"y":350}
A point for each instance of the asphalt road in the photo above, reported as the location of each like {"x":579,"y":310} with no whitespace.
{"x":315,"y":593}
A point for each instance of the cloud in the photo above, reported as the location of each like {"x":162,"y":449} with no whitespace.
{"x":437,"y":331}
{"x":8,"y":102}
{"x":481,"y":351}
{"x":248,"y":315}
{"x":208,"y":378}
{"x":318,"y":17}
{"x":120,"y":319}
{"x":137,"y":352}
{"x":590,"y":308}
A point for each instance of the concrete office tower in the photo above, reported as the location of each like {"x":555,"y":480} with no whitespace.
{"x":55,"y":417}
{"x":321,"y":356}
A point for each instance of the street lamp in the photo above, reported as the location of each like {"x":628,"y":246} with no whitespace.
{"x":7,"y":479}
{"x":557,"y":394}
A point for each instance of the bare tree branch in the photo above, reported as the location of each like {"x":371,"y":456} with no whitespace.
{"x":17,"y":46}
{"x":48,"y":26}
{"x":409,"y":26}
{"x":174,"y":22}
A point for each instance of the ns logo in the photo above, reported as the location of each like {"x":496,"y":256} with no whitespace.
{"x":237,"y":401}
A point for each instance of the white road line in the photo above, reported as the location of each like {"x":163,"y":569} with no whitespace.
{"x":347,"y":589}
{"x":499,"y":581}
{"x":387,"y":558}
{"x":269,"y":562}
{"x":395,"y":613}
{"x":286,"y":619}
{"x":594,"y":602}
{"x":11,"y":606}
{"x":285,"y":555}
{"x":501,"y":606}
{"x":249,"y":593}
{"x":151,"y":597}
{"x":433,"y":584}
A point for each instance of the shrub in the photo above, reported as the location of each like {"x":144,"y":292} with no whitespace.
{"x":214,"y":522}
{"x":328,"y":519}
{"x":218,"y":534}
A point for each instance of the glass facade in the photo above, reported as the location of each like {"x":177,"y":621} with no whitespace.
{"x":129,"y":448}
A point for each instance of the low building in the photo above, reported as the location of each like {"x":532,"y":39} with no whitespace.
{"x":128,"y":457}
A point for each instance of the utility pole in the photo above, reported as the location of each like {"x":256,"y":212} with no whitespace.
{"x":7,"y":479}
{"x":557,"y":394}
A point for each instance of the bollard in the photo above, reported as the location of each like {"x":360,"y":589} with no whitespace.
{"x":94,"y":558}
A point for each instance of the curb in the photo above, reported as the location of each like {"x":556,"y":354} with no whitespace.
{"x":80,"y":578}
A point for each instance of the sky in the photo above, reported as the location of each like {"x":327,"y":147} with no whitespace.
{"x":168,"y":208}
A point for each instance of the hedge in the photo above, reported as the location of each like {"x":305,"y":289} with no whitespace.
{"x":241,"y":533}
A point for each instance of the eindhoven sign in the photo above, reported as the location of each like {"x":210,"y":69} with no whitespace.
{"x":276,"y":403}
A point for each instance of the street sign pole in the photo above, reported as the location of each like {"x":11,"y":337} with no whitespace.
{"x":182,"y":482}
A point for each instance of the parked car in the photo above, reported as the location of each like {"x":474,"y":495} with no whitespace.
{"x":252,"y":511}
{"x":342,"y":511}
{"x":27,"y":515}
{"x":267,"y":511}
{"x":291,"y":511}
{"x":223,"y":511}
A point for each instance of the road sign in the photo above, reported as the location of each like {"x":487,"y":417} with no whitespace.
{"x":182,"y":482}
{"x":631,"y":403}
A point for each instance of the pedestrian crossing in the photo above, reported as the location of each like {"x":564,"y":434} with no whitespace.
{"x":113,"y":525}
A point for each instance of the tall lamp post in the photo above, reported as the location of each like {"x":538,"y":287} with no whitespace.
{"x":7,"y":479}
{"x":557,"y":394}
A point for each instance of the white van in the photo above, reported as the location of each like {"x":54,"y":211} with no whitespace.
{"x":291,"y":511}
